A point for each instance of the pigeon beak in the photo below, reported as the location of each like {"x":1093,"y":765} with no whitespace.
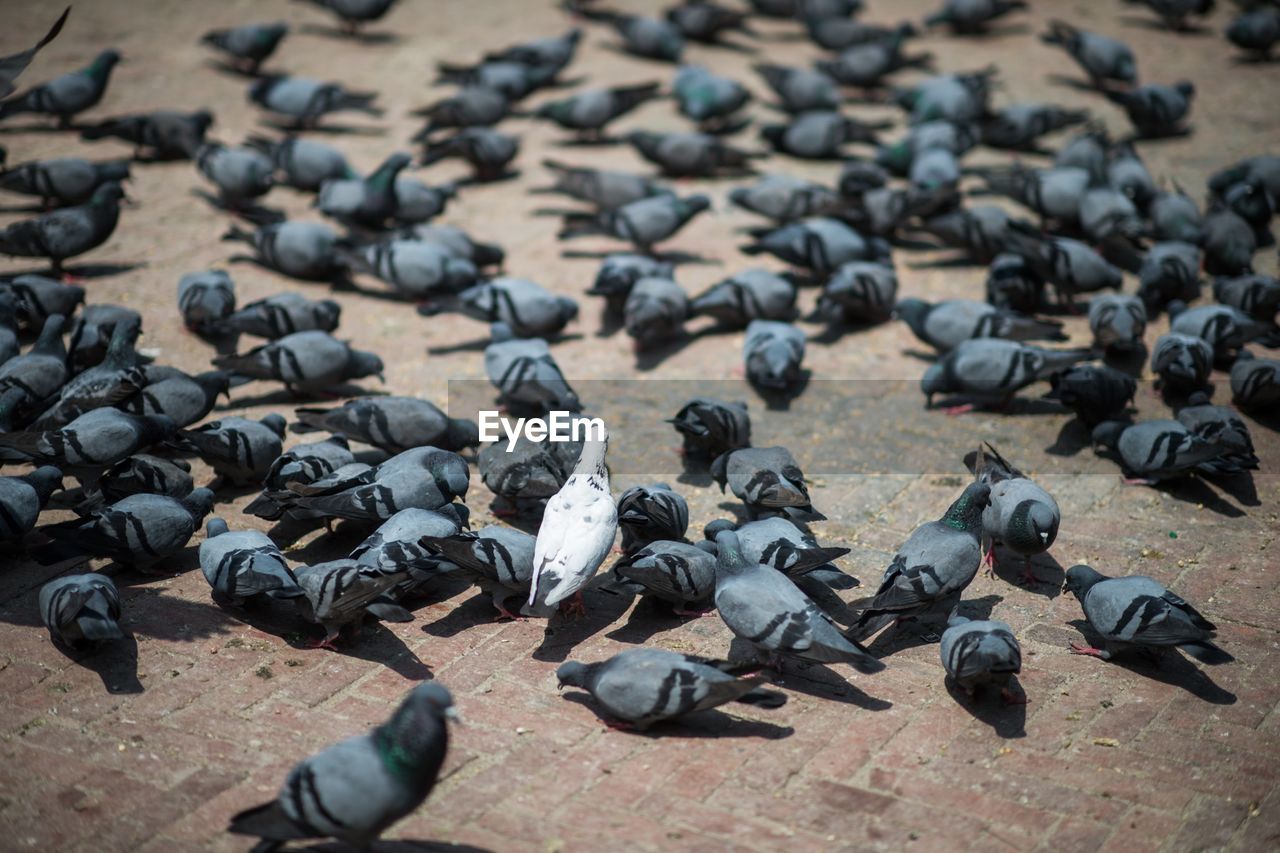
{"x":452,"y":714}
{"x":381,"y":378}
{"x":1044,"y":536}
{"x":129,"y":201}
{"x":1065,"y":588}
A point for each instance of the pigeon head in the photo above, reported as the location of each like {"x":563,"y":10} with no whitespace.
{"x":412,"y":743}
{"x":1107,"y":434}
{"x":459,"y":274}
{"x":729,"y":557}
{"x":450,"y":474}
{"x":696,"y":204}
{"x":327,"y":313}
{"x":104,"y":62}
{"x":202,"y":120}
{"x":362,"y":363}
{"x":912,"y":312}
{"x":199,"y":503}
{"x":276,"y":423}
{"x":1185,"y":88}
{"x":1033,"y":526}
{"x":573,"y":674}
{"x":45,"y":480}
{"x":966,"y":512}
{"x":463,"y":433}
{"x":857,"y":178}
{"x":109,"y":193}
{"x":215,"y":382}
{"x":114,"y":170}
{"x":272,"y":33}
{"x":1080,"y":579}
{"x":157,"y":428}
{"x":934,"y":381}
{"x":215,"y":527}
{"x":713,"y":529}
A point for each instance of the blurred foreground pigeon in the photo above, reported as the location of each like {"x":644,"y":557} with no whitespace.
{"x":243,"y":563}
{"x":68,"y":232}
{"x":1157,"y":110}
{"x":752,"y":294}
{"x":63,"y":97}
{"x":1174,"y":13}
{"x":485,"y":149}
{"x":591,"y":110}
{"x":859,"y":292}
{"x":691,"y":155}
{"x":393,"y":424}
{"x":22,"y":499}
{"x":526,"y":375}
{"x":303,"y":164}
{"x":239,"y":174}
{"x":306,"y":101}
{"x":817,"y":135}
{"x":81,"y":609}
{"x":711,"y":427}
{"x":1256,"y":31}
{"x":1182,"y":361}
{"x":800,"y":89}
{"x":991,"y":371}
{"x":526,"y":307}
{"x":784,"y":198}
{"x":12,"y":66}
{"x":655,"y":311}
{"x":205,"y":298}
{"x":606,"y":189}
{"x":1096,"y":393}
{"x":651,"y":38}
{"x":1226,"y":329}
{"x":1118,"y":322}
{"x":642,"y":223}
{"x":64,"y":180}
{"x":139,"y":531}
{"x":978,"y":652}
{"x":1103,"y":58}
{"x":159,"y":135}
{"x":708,"y":98}
{"x":1221,"y":425}
{"x":305,"y":362}
{"x":415,"y":269}
{"x":282,"y":314}
{"x":304,"y":250}
{"x":972,"y":16}
{"x":820,"y":244}
{"x":946,"y":325}
{"x":249,"y":45}
{"x":1170,"y":271}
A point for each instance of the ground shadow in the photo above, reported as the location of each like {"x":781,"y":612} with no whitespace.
{"x":780,"y":399}
{"x":824,"y":682}
{"x":1073,"y":437}
{"x":563,"y":635}
{"x":650,"y":616}
{"x":1167,"y":666}
{"x":987,"y":706}
{"x":115,"y":662}
{"x":927,"y":630}
{"x":1047,"y":570}
{"x":363,"y":36}
{"x":703,"y":724}
{"x":399,"y":846}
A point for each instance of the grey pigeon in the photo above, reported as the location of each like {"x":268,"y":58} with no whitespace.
{"x":1253,"y":294}
{"x":784,"y":198}
{"x":352,"y":14}
{"x":524,"y":476}
{"x":708,"y":98}
{"x":159,"y":135}
{"x":1137,"y":612}
{"x":303,"y":164}
{"x":1152,"y":451}
{"x":1252,"y":202}
{"x":39,"y":298}
{"x":22,"y":499}
{"x":642,"y":223}
{"x":183,"y":399}
{"x":1096,"y":393}
{"x":1022,"y":516}
{"x":1053,"y":193}
{"x":306,"y":101}
{"x":761,"y":606}
{"x":712,"y":427}
{"x":1170,"y":272}
{"x":1255,"y":382}
{"x":1221,"y":425}
{"x":650,"y":513}
{"x":398,"y":543}
{"x":1103,"y":58}
{"x":497,"y":559}
{"x":66,"y":96}
{"x":1013,"y":284}
{"x":415,"y":269}
{"x":367,"y":202}
{"x":838,"y":33}
{"x":64,"y":180}
{"x":689,"y":155}
{"x":767,"y":480}
{"x":618,"y":274}
{"x":92,"y":331}
{"x":305,"y":362}
{"x":945,"y":325}
{"x":357,"y":788}
{"x":424,"y":477}
{"x":1127,"y":173}
{"x":139,"y":531}
{"x":932,"y":568}
{"x":678,"y":573}
{"x":799,"y":89}
{"x":393,"y":424}
{"x":1264,"y":166}
{"x":239,"y":450}
{"x":936,"y":169}
{"x":589,"y":111}
{"x":1019,"y":126}
{"x":772,"y":354}
{"x":81,"y":609}
{"x":1174,"y":13}
{"x":859,"y":292}
{"x":820,"y":244}
{"x":752,"y":294}
{"x":787,"y":547}
{"x":1118,"y":322}
{"x":109,"y":383}
{"x":514,"y":80}
{"x":978,"y":652}
{"x":281,"y":314}
{"x":1182,"y":361}
{"x":458,"y":243}
{"x":991,"y":370}
{"x":1229,"y":242}
{"x":488,"y":151}
{"x":470,"y":106}
{"x":95,"y":440}
{"x":249,"y":45}
{"x":960,"y":98}
{"x":9,"y":345}
{"x":239,"y":174}
{"x":1256,"y":31}
{"x":303,"y":463}
{"x":635,"y":686}
{"x":1072,"y":267}
{"x":655,"y":311}
{"x":140,"y":474}
{"x":206,"y":298}
{"x":817,"y":135}
{"x":244,"y":563}
{"x":528,"y":309}
{"x":1156,"y":110}
{"x":12,"y":65}
{"x":525,"y":373}
{"x":882,"y":212}
{"x":651,"y":38}
{"x":955,"y":137}
{"x":557,"y":51}
{"x":866,"y":65}
{"x":68,"y":232}
{"x":1175,"y":216}
{"x":39,"y":373}
{"x":1086,"y":150}
{"x":972,"y":16}
{"x":304,"y":250}
{"x":604,"y":188}
{"x":707,"y":22}
{"x":1226,"y":329}
{"x":979,"y":230}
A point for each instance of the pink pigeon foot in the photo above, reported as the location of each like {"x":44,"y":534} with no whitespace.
{"x":680,"y":611}
{"x":324,"y":643}
{"x":574,"y":608}
{"x":1011,"y":698}
{"x":1079,"y":649}
{"x":963,"y":409}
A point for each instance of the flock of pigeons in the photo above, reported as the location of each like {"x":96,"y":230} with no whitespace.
{"x":82,"y":402}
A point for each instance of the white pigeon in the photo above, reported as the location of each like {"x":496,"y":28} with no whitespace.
{"x":577,"y":530}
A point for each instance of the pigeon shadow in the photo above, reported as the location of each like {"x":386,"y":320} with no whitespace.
{"x":1008,"y":721}
{"x":702,"y":724}
{"x":1193,"y":490}
{"x":1071,"y":83}
{"x":100,"y":270}
{"x":649,"y":617}
{"x":25,"y":208}
{"x":601,"y":141}
{"x":823,"y":682}
{"x":397,"y":846}
{"x":476,"y":610}
{"x":563,"y":635}
{"x":696,"y":470}
{"x":926,"y":630}
{"x":115,"y":662}
{"x":285,"y":397}
{"x":780,"y":399}
{"x":254,"y":214}
{"x":1253,"y":59}
{"x":1240,"y":487}
{"x":1187,"y":29}
{"x":1169,"y":667}
{"x":653,"y":356}
{"x":233,"y":70}
{"x":326,"y":129}
{"x":74,"y":127}
{"x":1048,"y":572}
{"x":951,"y":262}
{"x":1072,"y":438}
{"x":378,"y":644}
{"x":365,"y":36}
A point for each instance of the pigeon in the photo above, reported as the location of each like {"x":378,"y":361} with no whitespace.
{"x":1088,"y":150}
{"x":302,"y":463}
{"x":555,"y":51}
{"x":1104,"y":59}
{"x":763,"y":607}
{"x":68,"y":232}
{"x":95,"y":440}
{"x":282,"y":314}
{"x":107,"y":384}
{"x":81,"y":609}
{"x":139,"y":474}
{"x":1221,"y":425}
{"x":1228,"y":244}
{"x":1175,"y":217}
{"x":1256,"y":31}
{"x":577,"y":529}
{"x":957,"y":138}
{"x":650,"y":513}
{"x":306,"y":101}
{"x":92,"y":331}
{"x":40,"y":372}
{"x":979,"y":230}
{"x":767,"y":480}
{"x":240,"y":174}
{"x":514,"y":80}
{"x":780,"y":543}
{"x":784,"y":198}
{"x":526,"y":375}
{"x":242,"y":564}
{"x":589,"y":111}
{"x":966,"y":17}
{"x":39,"y":298}
{"x":239,"y":450}
{"x":527,"y":308}
{"x":1127,"y":173}
{"x":935,"y":169}
{"x":1170,"y":272}
{"x":457,"y":243}
{"x":1251,"y":202}
{"x":618,"y":274}
{"x":817,"y":135}
{"x":800,"y":90}
{"x":960,"y":98}
{"x":393,"y":424}
{"x":139,"y":531}
{"x":635,"y":686}
{"x":1182,"y":361}
{"x":12,"y":65}
{"x":64,"y":180}
{"x":1174,"y":13}
{"x":859,"y":292}
{"x":641,"y":223}
{"x":1072,"y":267}
{"x":22,"y":499}
{"x":1226,"y":329}
{"x":485,"y":149}
{"x":352,"y":14}
{"x":883,"y":212}
{"x":1118,"y":322}
{"x":1021,"y":516}
{"x":9,"y":346}
{"x":497,"y":559}
{"x":183,"y":399}
{"x":471,"y":106}
{"x":978,"y":652}
{"x":947,"y":324}
{"x":205,"y":299}
{"x":399,"y":542}
{"x":752,"y":294}
{"x":66,"y":96}
{"x":707,"y":22}
{"x":838,"y":33}
{"x":1265,"y":167}
{"x":866,"y":65}
{"x":1156,"y":110}
{"x":304,"y":250}
{"x":525,"y":475}
{"x":819,"y":244}
{"x":676,"y":572}
{"x":367,"y":202}
{"x":1096,"y":393}
{"x":1253,"y":294}
{"x":248,"y":46}
{"x":932,"y":568}
{"x":357,"y":788}
{"x":711,"y":427}
{"x":303,"y":164}
{"x":1255,"y":382}
{"x":306,"y":362}
{"x":772,"y":353}
{"x":650,"y":38}
{"x":168,"y":134}
{"x":606,"y":189}
{"x":655,"y":311}
{"x":1053,"y":193}
{"x":424,"y":477}
{"x":708,"y":98}
{"x":1152,"y":451}
{"x":688,"y":155}
{"x":1137,"y":612}
{"x":1018,"y":127}
{"x":991,"y":370}
{"x":415,"y":269}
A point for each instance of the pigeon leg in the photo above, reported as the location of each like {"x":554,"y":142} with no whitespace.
{"x":574,"y":608}
{"x":504,"y":613}
{"x":962,"y":409}
{"x":1028,"y":577}
{"x":682,"y":611}
{"x":1138,"y":481}
{"x":1080,"y":649}
{"x":620,"y":725}
{"x":989,"y":560}
{"x":1011,"y":698}
{"x":325,"y":642}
